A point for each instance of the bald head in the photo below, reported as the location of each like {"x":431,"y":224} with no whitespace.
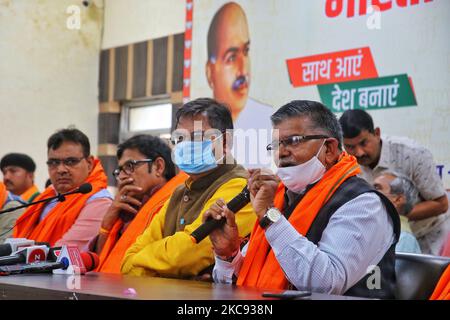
{"x":228,"y":64}
{"x":228,"y":15}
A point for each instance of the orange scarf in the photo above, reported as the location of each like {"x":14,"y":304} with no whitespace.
{"x":261,"y":268}
{"x":30,"y":194}
{"x":442,"y":290}
{"x":61,"y":218}
{"x":114,"y":248}
{"x":3,"y":195}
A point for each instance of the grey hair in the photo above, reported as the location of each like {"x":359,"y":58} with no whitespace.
{"x":320,"y":116}
{"x":403,"y":185}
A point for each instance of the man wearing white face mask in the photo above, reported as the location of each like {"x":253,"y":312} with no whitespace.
{"x":322,"y":228}
{"x":202,"y":147}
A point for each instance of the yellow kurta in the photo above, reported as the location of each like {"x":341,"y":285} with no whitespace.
{"x":177,"y":255}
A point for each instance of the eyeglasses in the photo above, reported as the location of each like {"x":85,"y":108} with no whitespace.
{"x":293,"y":141}
{"x":195,"y":136}
{"x":67,"y":162}
{"x":129,"y":166}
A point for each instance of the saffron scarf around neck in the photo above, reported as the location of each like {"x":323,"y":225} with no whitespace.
{"x":61,"y":218}
{"x":114,"y":249}
{"x":3,"y":195}
{"x":30,"y":194}
{"x":261,"y":268}
{"x":442,"y":290}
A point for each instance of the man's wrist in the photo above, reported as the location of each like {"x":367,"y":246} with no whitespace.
{"x":271,"y":216}
{"x":230,"y":257}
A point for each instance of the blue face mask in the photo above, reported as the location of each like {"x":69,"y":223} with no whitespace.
{"x":195,"y":156}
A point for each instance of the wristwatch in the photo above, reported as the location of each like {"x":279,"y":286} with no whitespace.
{"x":272,"y":215}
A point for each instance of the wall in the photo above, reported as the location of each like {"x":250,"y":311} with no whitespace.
{"x":142,"y":57}
{"x":49,"y":75}
{"x":130,"y":21}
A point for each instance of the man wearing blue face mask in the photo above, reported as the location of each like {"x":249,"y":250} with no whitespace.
{"x":322,"y":229}
{"x":202,"y":146}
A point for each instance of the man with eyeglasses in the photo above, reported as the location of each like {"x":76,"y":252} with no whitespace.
{"x":429,"y":219}
{"x":322,"y":228}
{"x":202,"y":151}
{"x":76,"y":220}
{"x":146,"y":178}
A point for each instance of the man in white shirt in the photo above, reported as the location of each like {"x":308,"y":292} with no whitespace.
{"x":322,"y":229}
{"x":428,"y":219}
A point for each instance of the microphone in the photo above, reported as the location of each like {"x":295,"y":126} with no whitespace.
{"x":84,"y":188}
{"x":79,"y":262}
{"x":14,"y":244}
{"x":90,"y":260}
{"x":65,"y":265}
{"x":37,"y":267}
{"x":26,"y":255}
{"x":235,"y":204}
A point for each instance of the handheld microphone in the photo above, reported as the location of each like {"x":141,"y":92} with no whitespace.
{"x":235,"y":204}
{"x":84,"y":188}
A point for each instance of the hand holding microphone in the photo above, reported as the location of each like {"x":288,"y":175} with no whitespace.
{"x":236,"y":204}
{"x":225,"y":239}
{"x":261,"y":189}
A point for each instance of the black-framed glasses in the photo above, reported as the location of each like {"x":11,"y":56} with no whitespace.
{"x":178,"y":137}
{"x":67,"y":162}
{"x":129,"y":166}
{"x":293,"y":141}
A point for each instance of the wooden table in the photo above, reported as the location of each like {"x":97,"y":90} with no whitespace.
{"x":110,"y":286}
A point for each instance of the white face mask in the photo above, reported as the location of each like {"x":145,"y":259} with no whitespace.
{"x":296,"y":178}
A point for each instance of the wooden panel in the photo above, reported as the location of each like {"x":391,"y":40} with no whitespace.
{"x":112,"y":71}
{"x":159,"y":66}
{"x":139,"y":69}
{"x":169,"y":70}
{"x":103,"y":76}
{"x":178,"y":61}
{"x":112,"y":106}
{"x":130,"y":59}
{"x":108,"y":128}
{"x":120,"y":81}
{"x":149,"y":76}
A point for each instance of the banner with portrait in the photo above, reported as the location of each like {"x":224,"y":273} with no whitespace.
{"x":390,"y":58}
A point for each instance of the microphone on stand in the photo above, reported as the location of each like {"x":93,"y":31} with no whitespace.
{"x":84,"y":188}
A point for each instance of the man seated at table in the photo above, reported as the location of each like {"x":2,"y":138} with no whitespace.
{"x":8,"y":219}
{"x":76,"y":220}
{"x":202,"y":151}
{"x":18,"y":175}
{"x":322,"y":229}
{"x":403,"y":195}
{"x":146,"y":178}
{"x":429,"y":219}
